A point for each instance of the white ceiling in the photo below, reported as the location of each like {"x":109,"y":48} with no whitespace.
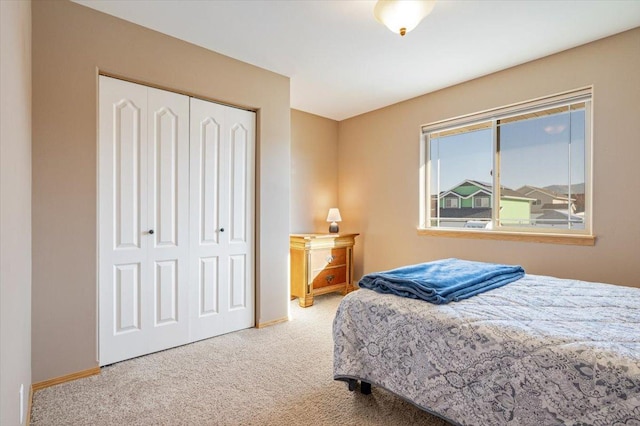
{"x":342,"y":62}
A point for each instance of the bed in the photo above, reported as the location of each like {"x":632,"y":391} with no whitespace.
{"x":537,"y":351}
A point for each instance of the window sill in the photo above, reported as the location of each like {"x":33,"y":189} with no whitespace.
{"x":576,"y":240}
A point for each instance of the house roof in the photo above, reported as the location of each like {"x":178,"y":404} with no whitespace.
{"x":466,"y":212}
{"x":550,"y":216}
{"x":551,"y":206}
{"x":528,"y":190}
{"x":473,"y":194}
{"x":488,"y":189}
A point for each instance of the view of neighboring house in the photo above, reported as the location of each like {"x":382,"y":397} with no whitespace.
{"x":546,"y":199}
{"x":552,"y":208}
{"x":470,"y":203}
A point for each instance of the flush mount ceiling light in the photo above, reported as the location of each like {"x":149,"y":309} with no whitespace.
{"x":401,"y":16}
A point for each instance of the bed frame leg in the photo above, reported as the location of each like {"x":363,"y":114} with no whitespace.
{"x":365,"y":387}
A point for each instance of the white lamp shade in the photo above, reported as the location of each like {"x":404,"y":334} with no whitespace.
{"x":334,"y":215}
{"x":402,"y":14}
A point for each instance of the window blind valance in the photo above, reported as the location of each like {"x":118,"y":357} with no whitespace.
{"x":527,"y":107}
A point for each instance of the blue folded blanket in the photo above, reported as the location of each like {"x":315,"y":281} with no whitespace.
{"x":442,"y":281}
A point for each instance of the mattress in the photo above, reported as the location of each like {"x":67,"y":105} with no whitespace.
{"x":538,"y":351}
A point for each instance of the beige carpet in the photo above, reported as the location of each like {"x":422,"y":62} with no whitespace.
{"x":279,"y":375}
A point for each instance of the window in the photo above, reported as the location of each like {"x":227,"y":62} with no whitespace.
{"x":496,"y":163}
{"x":451,"y":203}
{"x":481,"y":202}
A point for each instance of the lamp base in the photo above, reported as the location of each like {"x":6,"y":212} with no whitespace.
{"x":333,"y":228}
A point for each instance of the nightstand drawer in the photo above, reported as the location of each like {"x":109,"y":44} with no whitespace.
{"x":330,"y":276}
{"x":323,"y":258}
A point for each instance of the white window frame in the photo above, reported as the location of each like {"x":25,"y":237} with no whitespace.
{"x":566,"y":236}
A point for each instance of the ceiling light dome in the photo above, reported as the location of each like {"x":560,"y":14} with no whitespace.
{"x":401,"y":16}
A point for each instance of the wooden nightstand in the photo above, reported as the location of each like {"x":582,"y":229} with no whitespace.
{"x":320,"y":263}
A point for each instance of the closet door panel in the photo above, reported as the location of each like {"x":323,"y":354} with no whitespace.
{"x":240,"y":126}
{"x":237,"y":282}
{"x":122,"y":209}
{"x":165,"y":178}
{"x":126,"y":298}
{"x":208,"y":140}
{"x":166,"y":293}
{"x":208,"y":287}
{"x":209,"y":219}
{"x":127,"y":135}
{"x":167,"y":290}
{"x":238,"y":183}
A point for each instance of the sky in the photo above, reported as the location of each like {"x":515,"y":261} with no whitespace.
{"x":533,"y":152}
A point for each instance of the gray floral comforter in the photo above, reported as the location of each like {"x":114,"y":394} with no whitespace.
{"x":538,"y":351}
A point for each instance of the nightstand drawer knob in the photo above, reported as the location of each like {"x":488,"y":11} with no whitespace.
{"x":330,"y":278}
{"x":330,"y":258}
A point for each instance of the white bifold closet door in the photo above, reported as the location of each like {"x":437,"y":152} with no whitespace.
{"x":222,"y":211}
{"x":144,"y":227}
{"x":166,"y":277}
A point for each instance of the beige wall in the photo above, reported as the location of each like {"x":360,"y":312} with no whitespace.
{"x":71,"y":44}
{"x":379,"y":154}
{"x":15,"y":208}
{"x":314,"y":171}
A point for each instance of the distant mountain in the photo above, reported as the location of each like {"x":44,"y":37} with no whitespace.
{"x":576,"y":188}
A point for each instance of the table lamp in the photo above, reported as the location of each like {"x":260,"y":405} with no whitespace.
{"x":334,"y":217}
